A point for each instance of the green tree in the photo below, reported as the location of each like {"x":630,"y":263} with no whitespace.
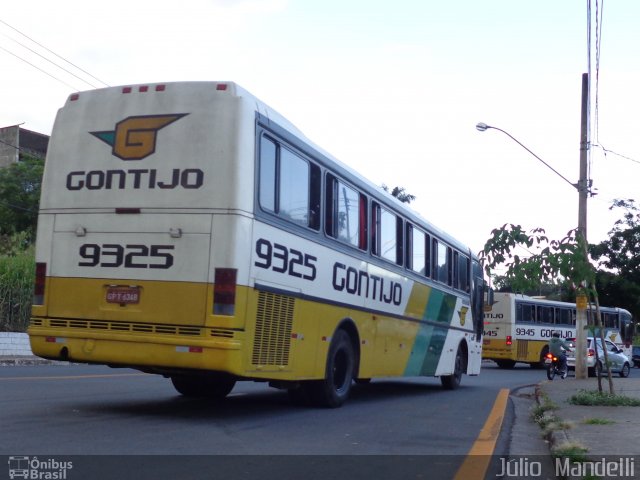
{"x":20,"y":196}
{"x":618,"y":279}
{"x":400,"y":193}
{"x":552,"y":261}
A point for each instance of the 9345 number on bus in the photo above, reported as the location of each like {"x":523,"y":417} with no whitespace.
{"x":525,"y":332}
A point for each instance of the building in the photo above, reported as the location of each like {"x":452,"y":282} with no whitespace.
{"x":16,"y":141}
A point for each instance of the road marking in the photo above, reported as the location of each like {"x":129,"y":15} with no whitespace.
{"x":74,"y":377}
{"x":477,"y":461}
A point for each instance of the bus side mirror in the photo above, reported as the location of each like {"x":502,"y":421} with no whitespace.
{"x":488,"y":295}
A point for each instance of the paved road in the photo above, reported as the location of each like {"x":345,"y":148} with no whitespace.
{"x":92,"y":410}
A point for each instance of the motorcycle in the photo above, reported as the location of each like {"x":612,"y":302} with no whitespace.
{"x":553,"y":367}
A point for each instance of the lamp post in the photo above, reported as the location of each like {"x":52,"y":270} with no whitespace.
{"x":481,"y":127}
{"x":583,"y":188}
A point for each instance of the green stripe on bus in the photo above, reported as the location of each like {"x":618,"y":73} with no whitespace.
{"x":429,"y":342}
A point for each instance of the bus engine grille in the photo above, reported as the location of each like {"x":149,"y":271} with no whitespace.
{"x":272,"y":339}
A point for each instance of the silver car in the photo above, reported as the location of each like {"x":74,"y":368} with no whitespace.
{"x":618,"y":361}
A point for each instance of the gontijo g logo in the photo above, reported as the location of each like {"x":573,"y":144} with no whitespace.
{"x":135,"y":137}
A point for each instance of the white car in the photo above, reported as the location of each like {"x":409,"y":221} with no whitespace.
{"x":618,"y":361}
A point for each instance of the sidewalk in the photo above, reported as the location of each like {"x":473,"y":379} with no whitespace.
{"x":6,"y":361}
{"x":15,"y":350}
{"x":613,"y":432}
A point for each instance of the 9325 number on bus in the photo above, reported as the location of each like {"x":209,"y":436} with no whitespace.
{"x":127,"y":256}
{"x":282,"y":259}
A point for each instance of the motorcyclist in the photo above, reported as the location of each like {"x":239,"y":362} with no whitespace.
{"x":557,"y":348}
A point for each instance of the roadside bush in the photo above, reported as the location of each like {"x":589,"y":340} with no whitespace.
{"x":17,"y":272}
{"x":591,"y":398}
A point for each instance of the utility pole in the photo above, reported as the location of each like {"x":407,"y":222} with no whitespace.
{"x":583,"y":189}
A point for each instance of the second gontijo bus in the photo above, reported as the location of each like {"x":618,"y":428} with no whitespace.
{"x":518,"y":328}
{"x":188,"y":230}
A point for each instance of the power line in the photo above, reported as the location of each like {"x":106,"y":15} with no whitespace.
{"x":606,"y":150}
{"x":38,"y":68}
{"x":55,"y":54}
{"x":598,"y":30}
{"x":20,"y":149}
{"x":50,"y":61}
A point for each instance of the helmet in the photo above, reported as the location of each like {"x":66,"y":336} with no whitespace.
{"x":556,"y":334}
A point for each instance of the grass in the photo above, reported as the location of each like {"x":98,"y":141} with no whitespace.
{"x":574,"y":451}
{"x":16,"y":290}
{"x":554,"y":425}
{"x":598,"y":421}
{"x":543,"y":416}
{"x":539,"y":413}
{"x":603,"y":399}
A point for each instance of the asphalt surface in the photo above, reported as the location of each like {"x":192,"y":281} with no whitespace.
{"x":608,"y":436}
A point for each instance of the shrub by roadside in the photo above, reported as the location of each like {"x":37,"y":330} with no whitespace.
{"x":592,"y":398}
{"x":17,"y":272}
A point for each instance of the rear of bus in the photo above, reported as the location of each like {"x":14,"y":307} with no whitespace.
{"x":144,"y":225}
{"x":498,"y":340}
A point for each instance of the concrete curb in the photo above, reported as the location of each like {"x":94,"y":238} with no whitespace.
{"x":15,"y":350}
{"x":27,"y":361}
{"x":14,"y":344}
{"x":556,"y":436}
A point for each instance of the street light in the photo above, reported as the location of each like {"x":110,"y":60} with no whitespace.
{"x":481,"y":127}
{"x":582,"y":187}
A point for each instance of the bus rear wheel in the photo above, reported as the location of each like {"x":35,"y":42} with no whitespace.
{"x":507,"y":364}
{"x":334,"y":389}
{"x":452,"y":382}
{"x":215,"y":387}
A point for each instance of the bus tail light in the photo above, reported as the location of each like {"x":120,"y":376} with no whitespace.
{"x":224,"y":291}
{"x":39,"y":285}
{"x":509,"y":340}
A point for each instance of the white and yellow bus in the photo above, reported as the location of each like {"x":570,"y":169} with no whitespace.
{"x":187,"y":229}
{"x":517,"y":328}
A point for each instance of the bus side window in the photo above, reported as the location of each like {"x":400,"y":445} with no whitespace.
{"x":563,"y":316}
{"x":441,"y":254}
{"x":289,"y":185}
{"x":417,"y":250}
{"x":388,"y":236}
{"x":463,"y":272}
{"x":609,"y":320}
{"x":346,"y":213}
{"x":452,"y":258}
{"x":526,"y":313}
{"x":293,"y":194}
{"x":268,"y":154}
{"x":315,"y":196}
{"x":544,"y":314}
{"x":427,"y":255}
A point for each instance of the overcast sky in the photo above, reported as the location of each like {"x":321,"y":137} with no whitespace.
{"x":393,"y":89}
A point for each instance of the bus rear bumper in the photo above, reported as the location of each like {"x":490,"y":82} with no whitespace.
{"x":136,"y":351}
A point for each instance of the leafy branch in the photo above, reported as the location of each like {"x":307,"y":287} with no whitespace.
{"x":553,"y":261}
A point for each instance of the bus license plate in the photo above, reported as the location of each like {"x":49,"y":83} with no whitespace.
{"x":123,"y":295}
